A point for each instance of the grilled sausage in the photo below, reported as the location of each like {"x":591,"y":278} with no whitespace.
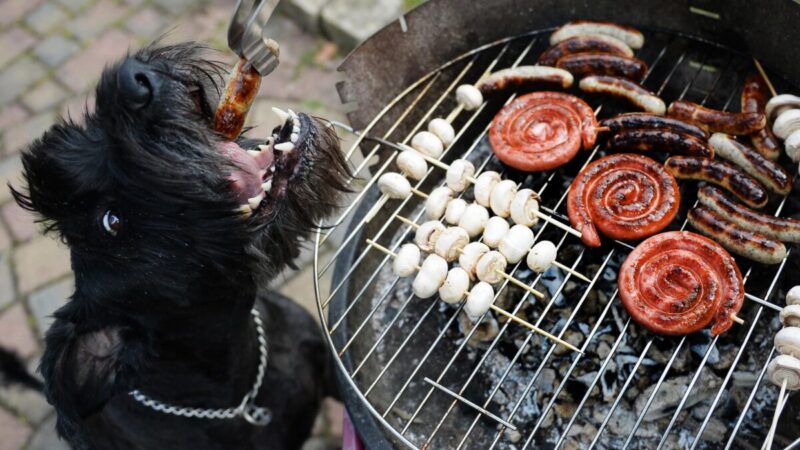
{"x":748,"y":244}
{"x":630,"y":36}
{"x":654,"y":122}
{"x":743,"y":186}
{"x":522,"y":76}
{"x":715,"y":120}
{"x":770,"y":174}
{"x":626,"y":89}
{"x":778,"y":228}
{"x":583,"y":64}
{"x":659,"y":140}
{"x":754,"y":95}
{"x":580,"y":44}
{"x":240,"y":91}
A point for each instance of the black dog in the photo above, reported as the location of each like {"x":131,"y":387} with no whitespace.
{"x":169,"y":263}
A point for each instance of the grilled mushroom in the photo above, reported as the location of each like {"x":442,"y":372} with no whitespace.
{"x":790,"y":316}
{"x":412,"y":164}
{"x":394,"y":185}
{"x":469,"y":97}
{"x":455,"y":286}
{"x":496,"y":228}
{"x":430,"y":277}
{"x":474,"y":219}
{"x":484,"y":185}
{"x":479,"y":300}
{"x":786,"y":123}
{"x":502,"y":196}
{"x":524,"y":208}
{"x":437,"y":202}
{"x":455,"y":211}
{"x":787,"y":341}
{"x":450,"y":243}
{"x":427,"y":143}
{"x":470,"y":255}
{"x":781,"y":103}
{"x":443,"y":130}
{"x":541,"y":257}
{"x":459,"y":174}
{"x":792,"y":145}
{"x":782,"y":367}
{"x":427,"y":234}
{"x":516,"y":243}
{"x":406,"y":261}
{"x":490,"y":267}
{"x":793,"y":296}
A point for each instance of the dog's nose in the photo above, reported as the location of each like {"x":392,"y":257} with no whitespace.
{"x":136,"y":83}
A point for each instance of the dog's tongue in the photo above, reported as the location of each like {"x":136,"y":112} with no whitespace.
{"x":247,"y":180}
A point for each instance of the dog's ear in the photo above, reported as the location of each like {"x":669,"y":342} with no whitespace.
{"x":83,"y":370}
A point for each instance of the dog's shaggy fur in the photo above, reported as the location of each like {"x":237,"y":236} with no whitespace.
{"x":163,"y":305}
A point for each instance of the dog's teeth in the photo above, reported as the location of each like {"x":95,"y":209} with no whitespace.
{"x":255,"y":201}
{"x":263,"y":147}
{"x":293,"y":114}
{"x":246,"y":210}
{"x":282,"y":115}
{"x":293,"y":138}
{"x":296,"y":129}
{"x":267,"y":186}
{"x":284,"y":147}
{"x":272,"y":169}
{"x":270,"y":140}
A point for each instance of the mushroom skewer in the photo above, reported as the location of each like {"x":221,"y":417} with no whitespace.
{"x":539,"y":259}
{"x":491,"y":306}
{"x":784,"y":370}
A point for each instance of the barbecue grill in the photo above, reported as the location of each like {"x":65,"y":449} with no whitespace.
{"x":416,"y":374}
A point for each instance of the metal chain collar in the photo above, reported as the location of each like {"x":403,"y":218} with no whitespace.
{"x":256,"y":415}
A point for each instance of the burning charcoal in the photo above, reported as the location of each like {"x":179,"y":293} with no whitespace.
{"x":672,"y":391}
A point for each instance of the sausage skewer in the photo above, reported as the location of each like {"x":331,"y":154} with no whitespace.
{"x":493,"y":307}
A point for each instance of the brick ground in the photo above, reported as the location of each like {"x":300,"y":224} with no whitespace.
{"x":51,"y":54}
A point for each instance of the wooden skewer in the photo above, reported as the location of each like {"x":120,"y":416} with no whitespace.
{"x":494,"y":308}
{"x":737,"y":319}
{"x":601,"y":129}
{"x":765,"y":77}
{"x":778,"y":408}
{"x":577,"y":274}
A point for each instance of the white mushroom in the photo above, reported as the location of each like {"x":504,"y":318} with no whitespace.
{"x":394,"y":185}
{"x":484,"y":185}
{"x":502,"y":196}
{"x":787,"y":123}
{"x":516,"y":243}
{"x":779,"y":104}
{"x":430,"y":277}
{"x":474,"y":219}
{"x":437,"y":202}
{"x":541,"y":256}
{"x":406,"y":261}
{"x":427,"y":143}
{"x":480,"y":298}
{"x":412,"y":164}
{"x":782,"y":367}
{"x":792,"y":146}
{"x":793,"y":296}
{"x":470,"y":255}
{"x":490,"y":267}
{"x":443,"y":130}
{"x":524,"y":207}
{"x":469,"y":97}
{"x":455,"y":211}
{"x":459,"y":174}
{"x":427,"y":234}
{"x":790,"y":316}
{"x":496,"y":228}
{"x":455,"y":286}
{"x":450,"y":243}
{"x":787,"y":341}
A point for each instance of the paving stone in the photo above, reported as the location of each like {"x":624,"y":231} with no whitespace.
{"x":39,"y":262}
{"x":18,"y":137}
{"x":350,"y":22}
{"x":305,"y":12}
{"x":5,"y":242}
{"x":14,"y":10}
{"x":334,"y":412}
{"x":46,"y":17}
{"x":83,"y":69}
{"x":17,"y":334}
{"x":7,"y":292}
{"x":19,"y":221}
{"x":180,"y":6}
{"x":75,"y":5}
{"x":45,"y":301}
{"x":46,"y":438}
{"x":14,"y":432}
{"x":77,"y":107}
{"x":12,"y":115}
{"x":10,"y":172}
{"x":94,"y":20}
{"x":55,"y":49}
{"x":147,"y":23}
{"x":18,"y":76}
{"x":205,"y":26}
{"x":26,"y":402}
{"x":13,"y":43}
{"x":44,"y":96}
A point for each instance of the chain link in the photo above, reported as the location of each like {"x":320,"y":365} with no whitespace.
{"x":256,"y":415}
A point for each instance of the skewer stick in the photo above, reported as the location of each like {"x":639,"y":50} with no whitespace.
{"x":778,"y":408}
{"x":737,"y":319}
{"x":414,"y":225}
{"x":494,"y":308}
{"x":765,"y":77}
{"x":601,"y":129}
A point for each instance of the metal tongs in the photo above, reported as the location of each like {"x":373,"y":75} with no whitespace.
{"x":246,"y":34}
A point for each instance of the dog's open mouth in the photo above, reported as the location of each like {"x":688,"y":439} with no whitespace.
{"x":263,"y":174}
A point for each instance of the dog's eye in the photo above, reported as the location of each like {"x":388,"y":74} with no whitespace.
{"x":111,"y":222}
